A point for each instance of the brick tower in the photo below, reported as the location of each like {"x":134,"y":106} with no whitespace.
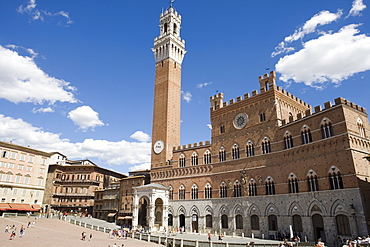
{"x":169,"y":51}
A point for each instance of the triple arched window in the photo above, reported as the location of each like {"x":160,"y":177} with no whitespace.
{"x":182,"y":192}
{"x":182,"y":160}
{"x":235,"y":152}
{"x":252,"y":187}
{"x":237,"y":189}
{"x":288,"y":140}
{"x":293,"y":183}
{"x":194,"y":191}
{"x":312,"y":181}
{"x":361,"y":129}
{"x":194,"y":159}
{"x":270,"y":186}
{"x":222,"y":154}
{"x":326,"y":128}
{"x":223,"y":190}
{"x":266,"y":146}
{"x":207,"y":157}
{"x":250,"y":149}
{"x":335,"y":178}
{"x":208,"y":191}
{"x":306,"y":134}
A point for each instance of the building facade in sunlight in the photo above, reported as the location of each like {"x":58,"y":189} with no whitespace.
{"x":70,"y":185}
{"x":23,"y":172}
{"x":274,"y":162}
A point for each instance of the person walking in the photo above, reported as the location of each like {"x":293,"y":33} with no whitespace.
{"x":6,"y":229}
{"x":90,"y":237}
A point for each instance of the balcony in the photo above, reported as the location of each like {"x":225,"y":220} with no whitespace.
{"x":111,"y":197}
{"x":76,"y":181}
{"x":74,"y":195}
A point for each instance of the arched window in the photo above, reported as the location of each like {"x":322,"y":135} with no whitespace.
{"x":182,"y":160}
{"x":270,"y":186}
{"x":252,"y":187}
{"x":207,"y":157}
{"x":313,"y":184}
{"x":288,"y":140}
{"x":182,"y":192}
{"x":343,"y":225}
{"x":239,"y":221}
{"x":208,"y":191}
{"x":262,"y":117}
{"x":224,"y":222}
{"x":250,"y":149}
{"x":222,"y":129}
{"x":237,"y":189}
{"x":273,"y":224}
{"x":306,"y":135}
{"x":266,"y":146}
{"x":326,"y":128}
{"x":170,"y":194}
{"x":222,"y":154}
{"x":209,"y":221}
{"x":293,"y":183}
{"x":235,"y":152}
{"x":194,"y":159}
{"x":255,"y":222}
{"x":335,"y":178}
{"x":165,"y":28}
{"x":174,"y":28}
{"x":361,"y":129}
{"x":194,"y":191}
{"x":223,"y":190}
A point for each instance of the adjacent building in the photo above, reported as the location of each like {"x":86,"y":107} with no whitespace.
{"x":23,"y":172}
{"x":273,"y":162}
{"x":71,"y":184}
{"x":127,"y":185}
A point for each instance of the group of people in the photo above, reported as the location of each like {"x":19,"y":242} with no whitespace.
{"x":120,"y":234}
{"x":83,"y":236}
{"x":351,"y":242}
{"x":12,"y":229}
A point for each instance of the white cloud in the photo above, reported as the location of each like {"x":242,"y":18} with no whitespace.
{"x":28,"y":50}
{"x":140,"y":136}
{"x":36,"y":14}
{"x":203,"y":84}
{"x":112,"y":153}
{"x":186,"y":96}
{"x":85,"y":117}
{"x":333,"y":57}
{"x":322,"y":18}
{"x":22,"y":81}
{"x":357,"y":7}
{"x":42,"y":110}
{"x":145,"y":166}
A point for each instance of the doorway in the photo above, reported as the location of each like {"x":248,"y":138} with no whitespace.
{"x":194,"y":223}
{"x":318,"y":227}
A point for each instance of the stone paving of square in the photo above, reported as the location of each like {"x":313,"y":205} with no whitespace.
{"x":54,"y":233}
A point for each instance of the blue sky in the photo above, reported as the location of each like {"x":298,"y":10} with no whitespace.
{"x":77,"y":76}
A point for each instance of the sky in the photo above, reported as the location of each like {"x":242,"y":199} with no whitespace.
{"x":77,"y":77}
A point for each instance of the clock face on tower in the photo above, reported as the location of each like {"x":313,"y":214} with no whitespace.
{"x":240,"y":120}
{"x":158,"y":146}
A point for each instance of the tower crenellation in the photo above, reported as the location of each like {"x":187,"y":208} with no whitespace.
{"x":267,"y":82}
{"x":327,"y":105}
